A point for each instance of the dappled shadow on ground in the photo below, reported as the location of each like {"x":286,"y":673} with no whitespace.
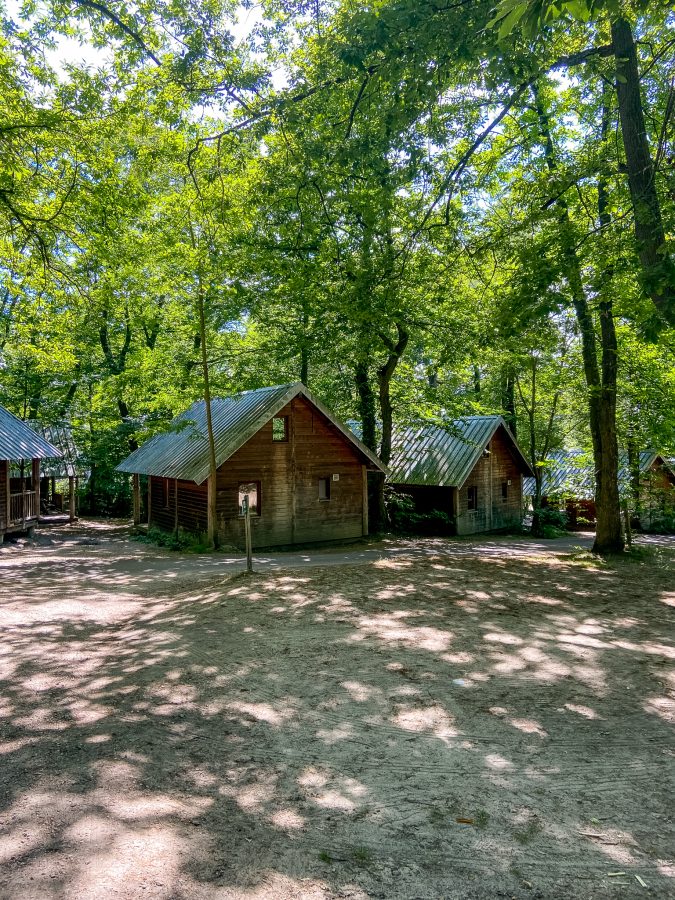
{"x":412,"y":727}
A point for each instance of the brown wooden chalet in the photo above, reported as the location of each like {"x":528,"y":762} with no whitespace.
{"x":472,"y":469}
{"x":303,"y":471}
{"x":21,"y":450}
{"x":568,"y":482}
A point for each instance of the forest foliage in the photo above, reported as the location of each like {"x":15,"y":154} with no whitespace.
{"x":420,"y":208}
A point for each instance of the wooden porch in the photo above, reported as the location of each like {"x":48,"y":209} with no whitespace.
{"x":19,"y":498}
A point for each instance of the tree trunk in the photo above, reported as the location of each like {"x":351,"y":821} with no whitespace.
{"x":384,"y":376}
{"x":212,"y":525}
{"x":366,"y":405}
{"x":509,"y":399}
{"x":634,"y":475}
{"x":476,"y":380}
{"x":601,"y":393}
{"x":658,"y":271}
{"x":608,"y":536}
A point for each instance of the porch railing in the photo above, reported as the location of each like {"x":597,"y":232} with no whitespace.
{"x":22,"y":506}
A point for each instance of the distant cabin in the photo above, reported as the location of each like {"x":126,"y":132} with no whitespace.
{"x":568,"y":481}
{"x":60,"y":477}
{"x":472,"y":469}
{"x":303,"y":471}
{"x":21,"y":450}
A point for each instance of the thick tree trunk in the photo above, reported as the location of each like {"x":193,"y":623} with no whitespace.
{"x":601,"y":387}
{"x":658,"y":270}
{"x":366,"y":395}
{"x":608,"y":535}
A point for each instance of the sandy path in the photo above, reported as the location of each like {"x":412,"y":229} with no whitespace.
{"x":169,"y":730}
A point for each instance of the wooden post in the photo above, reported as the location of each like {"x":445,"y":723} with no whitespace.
{"x":175,"y":505}
{"x":364,"y":471}
{"x":247,"y":534}
{"x":53,"y":480}
{"x":626,"y":522}
{"x":8,"y":487}
{"x":23,"y":495}
{"x":136,"y":486}
{"x":71,"y":499}
{"x":77,"y":496}
{"x":149,"y":500}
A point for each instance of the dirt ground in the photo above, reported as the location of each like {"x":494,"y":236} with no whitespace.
{"x":416,"y":720}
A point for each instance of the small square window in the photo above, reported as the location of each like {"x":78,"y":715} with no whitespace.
{"x":280,"y":428}
{"x":472,"y":502}
{"x":250,"y":489}
{"x":505,"y":491}
{"x":324,"y":488}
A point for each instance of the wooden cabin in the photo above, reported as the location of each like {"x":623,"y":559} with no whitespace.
{"x":60,"y":478}
{"x":568,"y":482}
{"x":472,"y":469}
{"x":21,"y":450}
{"x":303,"y":471}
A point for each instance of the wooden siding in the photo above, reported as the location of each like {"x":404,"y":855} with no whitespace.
{"x":657,"y":497}
{"x":191,"y":505}
{"x":490,"y":472}
{"x":288,"y":472}
{"x":4,"y":496}
{"x":19,"y":498}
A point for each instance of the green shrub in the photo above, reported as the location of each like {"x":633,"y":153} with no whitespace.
{"x":405,"y":519}
{"x":548,"y":522}
{"x":184,"y":541}
{"x":664,"y":524}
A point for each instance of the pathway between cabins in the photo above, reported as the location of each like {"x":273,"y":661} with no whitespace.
{"x":424,"y":719}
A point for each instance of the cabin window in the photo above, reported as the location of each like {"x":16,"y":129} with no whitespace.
{"x":250,"y":489}
{"x":324,"y":488}
{"x":280,"y":428}
{"x":505,"y":491}
{"x":472,"y":498}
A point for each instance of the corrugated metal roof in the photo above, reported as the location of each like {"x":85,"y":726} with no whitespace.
{"x":60,"y":436}
{"x":182,"y":452}
{"x":571,"y":473}
{"x":444,"y":456}
{"x":18,"y":441}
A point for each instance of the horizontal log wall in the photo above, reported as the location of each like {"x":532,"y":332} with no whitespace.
{"x":3,"y":494}
{"x":657,"y":497}
{"x":289,"y":472}
{"x":191,"y":505}
{"x":490,"y":472}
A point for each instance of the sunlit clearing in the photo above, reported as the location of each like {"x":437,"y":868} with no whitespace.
{"x":287,"y":820}
{"x":585,"y":711}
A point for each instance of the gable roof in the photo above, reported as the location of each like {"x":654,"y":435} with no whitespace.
{"x":60,"y":436}
{"x":183,"y":451}
{"x":445,"y":457}
{"x":18,"y":441}
{"x":572,"y":472}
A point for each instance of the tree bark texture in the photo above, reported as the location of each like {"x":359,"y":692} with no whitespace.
{"x":658,"y":270}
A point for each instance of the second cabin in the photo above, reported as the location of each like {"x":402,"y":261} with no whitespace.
{"x":472,"y":470}
{"x":304,"y":472}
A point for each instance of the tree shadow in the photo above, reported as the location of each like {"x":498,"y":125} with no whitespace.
{"x":413,"y":727}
